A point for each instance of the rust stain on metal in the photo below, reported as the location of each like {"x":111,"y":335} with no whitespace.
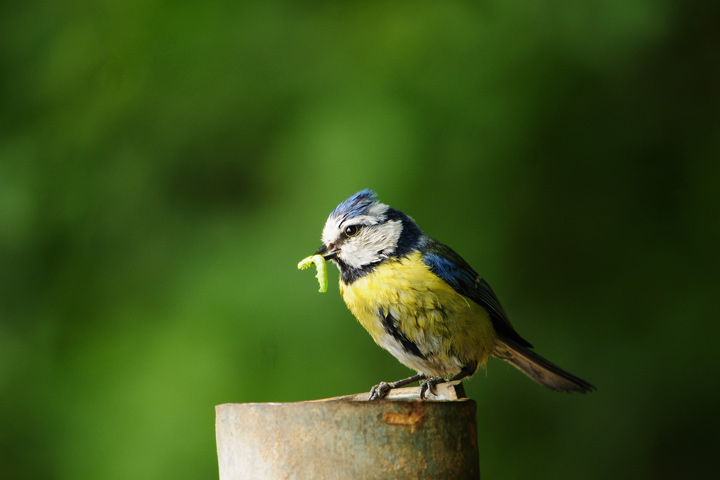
{"x":413,"y":419}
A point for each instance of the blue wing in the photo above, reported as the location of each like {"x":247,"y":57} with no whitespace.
{"x":449,"y":266}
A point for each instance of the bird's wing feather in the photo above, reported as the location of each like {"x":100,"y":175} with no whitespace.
{"x":449,"y":266}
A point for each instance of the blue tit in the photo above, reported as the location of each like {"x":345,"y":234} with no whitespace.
{"x":422,"y":302}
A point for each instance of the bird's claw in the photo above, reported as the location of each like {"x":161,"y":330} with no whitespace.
{"x":428,"y":386}
{"x":379,"y":391}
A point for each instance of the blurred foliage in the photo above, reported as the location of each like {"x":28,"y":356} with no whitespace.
{"x":165,"y":165}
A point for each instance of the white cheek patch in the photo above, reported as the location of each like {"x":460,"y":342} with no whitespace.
{"x":374,"y":243}
{"x":386,"y":236}
{"x":356,"y":252}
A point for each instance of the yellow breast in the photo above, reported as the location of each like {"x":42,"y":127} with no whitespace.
{"x":449,"y":329}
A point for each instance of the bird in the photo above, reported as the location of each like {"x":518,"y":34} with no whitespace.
{"x":422,"y":302}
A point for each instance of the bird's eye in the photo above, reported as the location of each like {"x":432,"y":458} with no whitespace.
{"x":352,"y":230}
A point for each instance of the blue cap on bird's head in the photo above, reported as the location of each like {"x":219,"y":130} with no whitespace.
{"x":355,"y":205}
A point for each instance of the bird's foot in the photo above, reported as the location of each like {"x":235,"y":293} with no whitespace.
{"x":383,"y":388}
{"x":380,"y":390}
{"x":428,"y":386}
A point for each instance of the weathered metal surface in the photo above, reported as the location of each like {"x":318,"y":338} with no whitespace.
{"x":349,"y":439}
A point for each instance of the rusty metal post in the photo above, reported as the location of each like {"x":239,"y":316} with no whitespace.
{"x":401,"y":437}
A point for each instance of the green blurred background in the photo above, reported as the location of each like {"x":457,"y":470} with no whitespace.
{"x":165,"y":165}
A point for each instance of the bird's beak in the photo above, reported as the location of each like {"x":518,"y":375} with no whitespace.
{"x":328,"y":252}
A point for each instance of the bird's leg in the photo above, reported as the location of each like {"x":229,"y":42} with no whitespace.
{"x":383,"y":388}
{"x":428,"y":386}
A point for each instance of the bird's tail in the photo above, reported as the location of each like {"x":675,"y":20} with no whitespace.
{"x":536,"y":367}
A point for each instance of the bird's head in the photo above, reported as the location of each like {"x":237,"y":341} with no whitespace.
{"x":362,"y":232}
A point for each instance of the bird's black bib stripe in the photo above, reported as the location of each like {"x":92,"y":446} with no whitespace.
{"x":390,"y":324}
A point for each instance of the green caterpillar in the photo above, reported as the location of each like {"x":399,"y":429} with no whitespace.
{"x":321,"y":267}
